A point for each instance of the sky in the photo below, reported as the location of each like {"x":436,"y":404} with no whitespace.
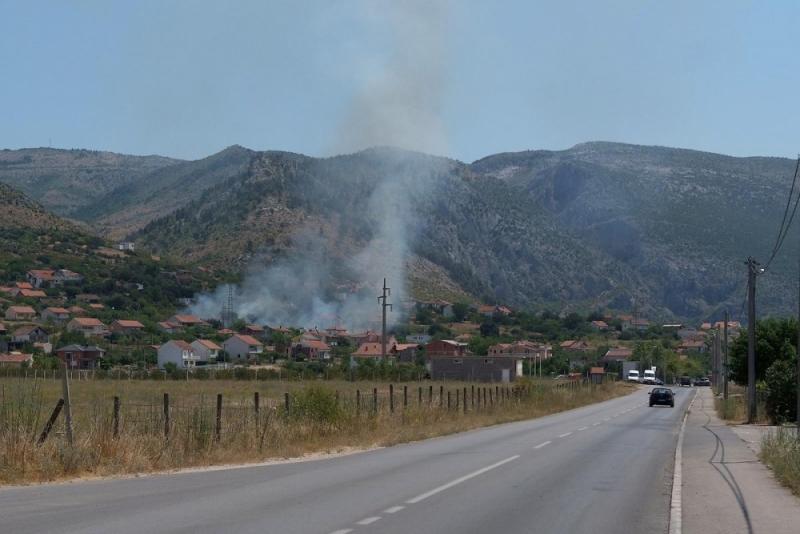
{"x":189,"y":78}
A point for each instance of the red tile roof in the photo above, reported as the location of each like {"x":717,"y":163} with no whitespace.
{"x":16,"y":357}
{"x":21,"y":309}
{"x":209,"y":344}
{"x":129,"y":323}
{"x":250,"y":340}
{"x":88,"y":321}
{"x":59,"y":311}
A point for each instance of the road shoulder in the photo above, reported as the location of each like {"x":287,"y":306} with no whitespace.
{"x":725,"y":487}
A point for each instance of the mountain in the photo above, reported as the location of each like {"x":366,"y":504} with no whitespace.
{"x":658,"y":229}
{"x":67,"y":181}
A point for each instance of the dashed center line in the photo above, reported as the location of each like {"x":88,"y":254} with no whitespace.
{"x":342,"y":531}
{"x":565,"y":434}
{"x":546,"y":443}
{"x":369,"y":520}
{"x":393,"y":509}
{"x":457,"y":481}
{"x":581,"y":429}
{"x":596,"y":424}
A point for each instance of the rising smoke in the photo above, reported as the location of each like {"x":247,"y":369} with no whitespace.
{"x":398,"y":106}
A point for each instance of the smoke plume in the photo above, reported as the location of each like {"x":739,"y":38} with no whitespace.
{"x":399,"y":106}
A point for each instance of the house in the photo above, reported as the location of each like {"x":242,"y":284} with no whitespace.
{"x":617,"y":354}
{"x":55,"y":315}
{"x":178,"y":352}
{"x":87,"y":297}
{"x":475,"y":368}
{"x":29,"y":334}
{"x":599,"y":326}
{"x":572,"y":345}
{"x":640,"y":324}
{"x":419,"y":339}
{"x":364,"y":337}
{"x":442,"y":307}
{"x":170,"y":328}
{"x":243,"y":347}
{"x":40,"y":277}
{"x":30,"y":293}
{"x":20,"y":313}
{"x":369,"y":351}
{"x":705,"y":327}
{"x":695,"y":345}
{"x":255,"y":331}
{"x":688,"y":333}
{"x":205,"y":350}
{"x":311,"y":349}
{"x":65,"y":276}
{"x":76,"y":310}
{"x":186,"y":320}
{"x":16,"y":359}
{"x":126,"y":245}
{"x":89,"y":326}
{"x":447,"y":348}
{"x":126,"y":326}
{"x":81,"y":357}
{"x":405,"y":352}
{"x":21,"y":285}
{"x":96,"y":306}
{"x":733,"y":326}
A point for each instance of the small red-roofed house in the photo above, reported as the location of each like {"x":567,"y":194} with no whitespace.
{"x":243,"y":347}
{"x":89,"y":326}
{"x":20,"y":313}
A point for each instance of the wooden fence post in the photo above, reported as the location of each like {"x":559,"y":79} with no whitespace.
{"x":49,"y":425}
{"x":67,"y":406}
{"x":116,"y":417}
{"x":458,"y":399}
{"x":472,"y":397}
{"x":441,"y":396}
{"x":405,"y":398}
{"x":166,"y":415}
{"x":218,"y":429}
{"x":448,"y":399}
{"x":465,"y":399}
{"x":419,"y":398}
{"x":256,"y":402}
{"x":391,"y":398}
{"x":430,"y":395}
{"x":358,"y":401}
{"x":286,"y":402}
{"x":375,"y":400}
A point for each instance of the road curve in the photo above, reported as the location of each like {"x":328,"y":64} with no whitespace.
{"x":604,"y":468}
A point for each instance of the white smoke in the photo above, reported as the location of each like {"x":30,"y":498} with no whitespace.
{"x":398,"y":106}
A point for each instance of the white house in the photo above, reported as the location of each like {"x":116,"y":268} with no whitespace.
{"x":241,"y":346}
{"x":178,"y":352}
{"x":205,"y":350}
{"x":126,"y":245}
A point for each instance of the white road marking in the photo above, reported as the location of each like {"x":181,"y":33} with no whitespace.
{"x":393,"y":509}
{"x":343,"y":531}
{"x":369,"y":520}
{"x":675,"y":509}
{"x":457,"y":481}
{"x":539,"y":446}
{"x":581,"y":429}
{"x":565,"y":434}
{"x":596,"y":424}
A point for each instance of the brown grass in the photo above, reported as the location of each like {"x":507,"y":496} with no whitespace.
{"x":734,"y":409}
{"x":322,"y":418}
{"x":780,"y":450}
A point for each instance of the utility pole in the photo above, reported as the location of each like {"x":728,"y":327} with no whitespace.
{"x":725,"y":364}
{"x":384,"y":305}
{"x":752,"y":270}
{"x":67,"y":401}
{"x":798,"y":356}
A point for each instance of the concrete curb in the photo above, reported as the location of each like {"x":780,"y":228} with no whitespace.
{"x":676,"y":508}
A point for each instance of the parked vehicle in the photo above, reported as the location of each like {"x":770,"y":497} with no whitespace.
{"x":662,"y":396}
{"x":703,"y":381}
{"x":649,"y":376}
{"x":686,"y":381}
{"x":633,"y":376}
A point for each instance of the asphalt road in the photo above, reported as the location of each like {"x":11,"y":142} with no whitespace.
{"x":602,"y":468}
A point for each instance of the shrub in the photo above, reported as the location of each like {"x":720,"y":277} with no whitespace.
{"x":316,"y":404}
{"x":781,"y":391}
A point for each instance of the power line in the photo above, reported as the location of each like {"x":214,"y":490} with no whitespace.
{"x":783,"y":231}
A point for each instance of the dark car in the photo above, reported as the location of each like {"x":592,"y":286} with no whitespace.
{"x":686,"y":381}
{"x":662,"y":396}
{"x":702,"y":382}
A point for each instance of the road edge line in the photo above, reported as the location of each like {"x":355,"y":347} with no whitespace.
{"x":676,"y":504}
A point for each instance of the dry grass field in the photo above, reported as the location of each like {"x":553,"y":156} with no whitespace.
{"x":327,"y":416}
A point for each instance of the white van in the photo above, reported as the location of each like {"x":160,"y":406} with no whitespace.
{"x":633,"y":375}
{"x":649,"y":376}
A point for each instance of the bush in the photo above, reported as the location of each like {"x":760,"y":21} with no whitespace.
{"x":781,"y":391}
{"x":316,"y":404}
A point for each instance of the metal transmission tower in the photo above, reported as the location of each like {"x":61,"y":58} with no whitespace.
{"x":227,"y":309}
{"x":384,"y":305}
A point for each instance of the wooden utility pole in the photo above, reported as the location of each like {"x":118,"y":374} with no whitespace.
{"x":67,"y":403}
{"x":725,"y":364}
{"x":752,"y":270}
{"x":384,"y":305}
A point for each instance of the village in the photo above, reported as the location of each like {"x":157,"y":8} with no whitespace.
{"x":48,"y":323}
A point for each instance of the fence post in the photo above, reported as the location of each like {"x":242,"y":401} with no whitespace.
{"x":218,"y":429}
{"x":458,"y":399}
{"x":116,"y":417}
{"x":391,"y":398}
{"x":448,"y":400}
{"x":430,"y":395}
{"x":497,"y":393}
{"x":286,"y":402}
{"x":464,"y":397}
{"x":67,"y":406}
{"x":405,"y":397}
{"x":491,"y":399}
{"x":49,"y":425}
{"x":419,"y":399}
{"x":166,"y":415}
{"x":375,"y":400}
{"x":358,"y":401}
{"x":472,"y":397}
{"x":441,"y":396}
{"x":256,"y":402}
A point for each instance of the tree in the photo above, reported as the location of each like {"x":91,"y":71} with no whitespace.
{"x":460,"y":311}
{"x":489,"y":330}
{"x":775,"y":338}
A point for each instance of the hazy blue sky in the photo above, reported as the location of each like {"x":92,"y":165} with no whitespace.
{"x":187,"y":79}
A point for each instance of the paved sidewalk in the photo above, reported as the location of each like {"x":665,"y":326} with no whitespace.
{"x":725,"y":487}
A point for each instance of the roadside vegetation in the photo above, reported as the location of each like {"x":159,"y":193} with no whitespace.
{"x":780,"y":450}
{"x":293,"y":419}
